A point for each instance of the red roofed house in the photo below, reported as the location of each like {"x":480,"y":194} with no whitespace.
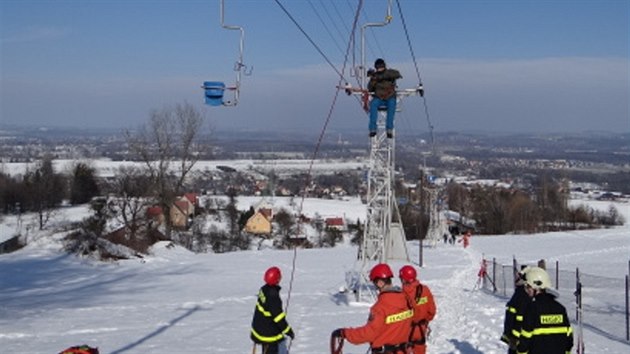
{"x":336,"y":223}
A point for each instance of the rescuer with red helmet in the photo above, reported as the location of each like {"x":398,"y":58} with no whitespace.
{"x":269,"y":324}
{"x":424,"y":307}
{"x":388,"y":326}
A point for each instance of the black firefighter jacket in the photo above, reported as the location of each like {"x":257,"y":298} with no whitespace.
{"x":546,"y":328}
{"x":514,"y":314}
{"x":269,"y":324}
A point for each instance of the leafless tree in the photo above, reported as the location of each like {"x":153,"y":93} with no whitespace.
{"x":132,"y":187}
{"x":169,"y":147}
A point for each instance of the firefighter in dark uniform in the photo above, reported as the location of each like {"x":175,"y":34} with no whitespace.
{"x":546,"y":328}
{"x":514,"y":312}
{"x":269,"y":325}
{"x":389,"y":323}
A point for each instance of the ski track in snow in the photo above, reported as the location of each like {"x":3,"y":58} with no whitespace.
{"x":455,"y":328}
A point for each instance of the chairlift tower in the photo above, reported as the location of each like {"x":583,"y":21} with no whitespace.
{"x":384,"y":237}
{"x":436,"y":226}
{"x":383,"y":233}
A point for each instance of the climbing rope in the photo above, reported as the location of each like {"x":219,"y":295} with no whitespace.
{"x":336,"y":345}
{"x":323,"y":131}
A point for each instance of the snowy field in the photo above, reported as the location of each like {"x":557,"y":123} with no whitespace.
{"x":108,"y":168}
{"x":175,"y":301}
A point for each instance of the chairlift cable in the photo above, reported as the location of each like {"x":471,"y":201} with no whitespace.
{"x":415,"y":63}
{"x":308,"y":38}
{"x":342,"y":32}
{"x":326,"y":26}
{"x":318,"y":145}
{"x":341,"y":75}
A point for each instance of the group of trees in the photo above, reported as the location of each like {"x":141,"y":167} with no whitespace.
{"x":501,"y":210}
{"x":42,"y":189}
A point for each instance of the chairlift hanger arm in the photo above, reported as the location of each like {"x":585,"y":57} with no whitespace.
{"x":388,"y":19}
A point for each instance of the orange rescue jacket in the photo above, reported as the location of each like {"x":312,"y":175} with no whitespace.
{"x":424,"y":308}
{"x":389,"y":322}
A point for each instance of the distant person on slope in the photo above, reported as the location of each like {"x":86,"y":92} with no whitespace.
{"x":514,"y":312}
{"x":382,"y":84}
{"x":389,"y":324}
{"x":269,"y":325}
{"x":424,"y":308}
{"x":546,"y":328}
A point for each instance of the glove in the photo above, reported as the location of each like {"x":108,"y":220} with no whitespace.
{"x":338,"y":333}
{"x":370,"y":72}
{"x":291,"y":334}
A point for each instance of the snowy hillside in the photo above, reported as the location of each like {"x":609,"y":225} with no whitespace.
{"x":175,"y":301}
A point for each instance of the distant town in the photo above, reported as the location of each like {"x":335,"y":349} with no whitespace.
{"x":141,"y":190}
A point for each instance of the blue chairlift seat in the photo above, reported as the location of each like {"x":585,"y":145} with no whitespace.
{"x":214,"y":92}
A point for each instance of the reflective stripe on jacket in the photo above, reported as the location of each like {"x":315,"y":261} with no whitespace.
{"x":514,"y":313}
{"x":269,"y":324}
{"x":546,"y":328}
{"x":388,"y":324}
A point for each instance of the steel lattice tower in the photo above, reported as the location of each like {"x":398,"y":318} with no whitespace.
{"x":383,"y":233}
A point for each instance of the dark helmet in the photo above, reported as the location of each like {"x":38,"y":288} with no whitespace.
{"x":272,"y":276}
{"x":381,"y":271}
{"x":379,"y":63}
{"x":407,"y":274}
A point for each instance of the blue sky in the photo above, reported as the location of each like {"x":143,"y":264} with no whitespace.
{"x":494,"y":65}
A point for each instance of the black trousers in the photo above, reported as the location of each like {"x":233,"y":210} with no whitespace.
{"x":274,"y":348}
{"x":271,"y":348}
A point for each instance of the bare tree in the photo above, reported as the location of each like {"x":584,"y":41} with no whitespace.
{"x":132,"y":187}
{"x":169,"y":147}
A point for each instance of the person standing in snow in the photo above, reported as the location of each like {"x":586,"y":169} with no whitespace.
{"x":389,"y":323}
{"x":424,"y":307}
{"x":514,"y":312}
{"x":269,"y":324}
{"x":546,"y":328}
{"x":466,"y":239}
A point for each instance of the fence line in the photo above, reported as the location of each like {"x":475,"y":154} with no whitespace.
{"x":605,"y":300}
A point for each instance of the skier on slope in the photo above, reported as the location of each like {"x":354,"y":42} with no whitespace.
{"x":424,"y":307}
{"x":269,"y":324}
{"x":389,"y":323}
{"x":514,"y":312}
{"x":546,"y":328}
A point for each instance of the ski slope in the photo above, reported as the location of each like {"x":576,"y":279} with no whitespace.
{"x":175,"y":301}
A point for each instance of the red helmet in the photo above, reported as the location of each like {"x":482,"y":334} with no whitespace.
{"x":407,"y":274}
{"x":272,"y":276}
{"x":381,"y":271}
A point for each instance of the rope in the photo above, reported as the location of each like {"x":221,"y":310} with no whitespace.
{"x":415,"y":63}
{"x":336,"y":345}
{"x":317,"y":147}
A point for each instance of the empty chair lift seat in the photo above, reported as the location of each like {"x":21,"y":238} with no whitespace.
{"x":214,"y":92}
